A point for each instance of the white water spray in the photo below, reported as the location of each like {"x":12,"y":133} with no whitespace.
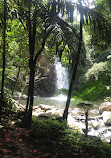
{"x":62,"y":76}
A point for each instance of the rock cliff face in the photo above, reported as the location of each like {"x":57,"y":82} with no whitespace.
{"x":46,"y":85}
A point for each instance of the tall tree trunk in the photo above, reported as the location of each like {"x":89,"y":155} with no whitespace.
{"x":4,"y":51}
{"x":30,"y":99}
{"x":31,"y":92}
{"x":65,"y":114}
{"x":32,"y":64}
{"x":32,"y":35}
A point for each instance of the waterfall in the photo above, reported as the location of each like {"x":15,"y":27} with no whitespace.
{"x":62,"y":76}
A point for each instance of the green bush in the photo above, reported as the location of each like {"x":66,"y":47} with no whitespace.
{"x":8,"y":104}
{"x":47,"y":127}
{"x":67,"y":142}
{"x":78,"y":146}
{"x":92,"y":91}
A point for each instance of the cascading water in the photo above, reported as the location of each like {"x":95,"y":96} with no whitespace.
{"x":62,"y":76}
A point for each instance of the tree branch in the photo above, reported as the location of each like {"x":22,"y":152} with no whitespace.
{"x":43,"y":43}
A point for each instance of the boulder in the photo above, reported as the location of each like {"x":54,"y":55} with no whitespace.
{"x":106,"y":106}
{"x":54,"y":112}
{"x":107,"y":117}
{"x":95,"y":124}
{"x":18,"y":106}
{"x":45,"y":107}
{"x":74,"y":124}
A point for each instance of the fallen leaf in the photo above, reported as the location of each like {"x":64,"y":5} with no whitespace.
{"x":8,"y":135}
{"x":5,"y":151}
{"x":34,"y":151}
{"x":20,"y":140}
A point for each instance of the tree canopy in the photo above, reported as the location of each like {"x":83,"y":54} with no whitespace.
{"x":34,"y":28}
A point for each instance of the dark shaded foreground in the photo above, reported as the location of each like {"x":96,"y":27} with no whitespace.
{"x":16,"y":142}
{"x":48,"y":138}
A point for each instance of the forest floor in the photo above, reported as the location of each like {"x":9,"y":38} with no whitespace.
{"x":16,"y":142}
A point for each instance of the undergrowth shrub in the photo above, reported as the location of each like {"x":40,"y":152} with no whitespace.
{"x":68,"y":143}
{"x":92,"y":91}
{"x":8,"y":104}
{"x":48,"y":127}
{"x":75,"y":145}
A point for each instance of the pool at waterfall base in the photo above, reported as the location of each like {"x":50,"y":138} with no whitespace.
{"x":76,"y":116}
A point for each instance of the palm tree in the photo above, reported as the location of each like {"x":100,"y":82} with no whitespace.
{"x":97,"y":22}
{"x":65,"y":114}
{"x":34,"y":15}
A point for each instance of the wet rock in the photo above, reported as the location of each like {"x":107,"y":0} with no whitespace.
{"x":71,"y":121}
{"x":106,"y":136}
{"x":18,"y":106}
{"x":54,"y":112}
{"x":93,"y":132}
{"x":109,"y":129}
{"x":95,"y":124}
{"x":37,"y":113}
{"x":94,"y":112}
{"x":106,"y":106}
{"x":45,"y":107}
{"x":105,"y":131}
{"x":101,"y":123}
{"x":107,"y":117}
{"x":102,"y":130}
{"x":91,"y":118}
{"x":80,"y":118}
{"x":74,"y":124}
{"x":75,"y":111}
{"x":100,"y":117}
{"x":36,"y":108}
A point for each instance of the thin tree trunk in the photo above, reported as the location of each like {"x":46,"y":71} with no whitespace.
{"x":4,"y":51}
{"x":86,"y":122}
{"x":27,"y":104}
{"x":32,"y":75}
{"x":65,"y":114}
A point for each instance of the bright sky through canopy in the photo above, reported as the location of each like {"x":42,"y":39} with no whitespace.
{"x":87,"y":3}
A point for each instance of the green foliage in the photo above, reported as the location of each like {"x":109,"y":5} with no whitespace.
{"x":96,"y":69}
{"x":68,"y":142}
{"x":98,"y":39}
{"x":62,"y":91}
{"x":76,"y":145}
{"x":8,"y":104}
{"x":93,"y":90}
{"x":48,"y":127}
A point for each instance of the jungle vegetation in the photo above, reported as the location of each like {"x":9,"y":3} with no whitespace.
{"x":77,"y":32}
